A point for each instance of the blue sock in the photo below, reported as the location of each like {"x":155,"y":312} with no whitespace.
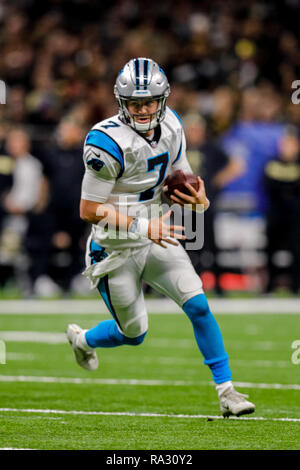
{"x":107,"y":335}
{"x":208,"y":337}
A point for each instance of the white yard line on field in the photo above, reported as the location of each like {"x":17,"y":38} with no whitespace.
{"x":74,"y":307}
{"x":143,"y":415}
{"x":47,"y":337}
{"x":33,"y":337}
{"x":14,"y":356}
{"x":80,"y":381}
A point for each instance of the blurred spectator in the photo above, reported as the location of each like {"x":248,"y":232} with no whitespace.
{"x":6,"y":178}
{"x":217,"y":169}
{"x":282,"y":182}
{"x":253,"y":137}
{"x":223,"y":110}
{"x":56,"y":239}
{"x":26,"y":195}
{"x":6,"y":172}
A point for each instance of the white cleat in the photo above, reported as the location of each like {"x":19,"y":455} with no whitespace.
{"x":86,"y":358}
{"x":235,"y":403}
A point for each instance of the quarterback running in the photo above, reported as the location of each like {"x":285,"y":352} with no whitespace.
{"x":127,"y":159}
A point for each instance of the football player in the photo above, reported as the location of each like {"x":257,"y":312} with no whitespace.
{"x":127,"y":159}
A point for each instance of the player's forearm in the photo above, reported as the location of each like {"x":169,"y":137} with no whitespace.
{"x":110,"y":217}
{"x":94,"y":212}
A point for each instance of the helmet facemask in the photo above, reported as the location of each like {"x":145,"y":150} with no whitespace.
{"x":155,"y":118}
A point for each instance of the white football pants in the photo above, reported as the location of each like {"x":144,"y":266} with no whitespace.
{"x":168,"y":270}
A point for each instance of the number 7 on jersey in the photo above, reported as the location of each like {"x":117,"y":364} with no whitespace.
{"x":152,"y":162}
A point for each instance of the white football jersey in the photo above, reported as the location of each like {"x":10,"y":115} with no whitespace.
{"x":126,"y":170}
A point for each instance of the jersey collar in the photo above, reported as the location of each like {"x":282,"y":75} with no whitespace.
{"x":154,"y":140}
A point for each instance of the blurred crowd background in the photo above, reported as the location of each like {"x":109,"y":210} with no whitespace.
{"x":231,"y":65}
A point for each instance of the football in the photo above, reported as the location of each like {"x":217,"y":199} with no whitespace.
{"x":177,"y":180}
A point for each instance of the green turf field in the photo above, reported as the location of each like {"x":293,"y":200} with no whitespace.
{"x":156,"y":396}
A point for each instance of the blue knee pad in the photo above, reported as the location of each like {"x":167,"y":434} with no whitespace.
{"x":196,"y":307}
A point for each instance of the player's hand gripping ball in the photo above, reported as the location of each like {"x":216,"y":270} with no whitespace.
{"x":177,"y":180}
{"x":183,"y":188}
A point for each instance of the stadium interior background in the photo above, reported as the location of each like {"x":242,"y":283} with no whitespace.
{"x":231,"y":66}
